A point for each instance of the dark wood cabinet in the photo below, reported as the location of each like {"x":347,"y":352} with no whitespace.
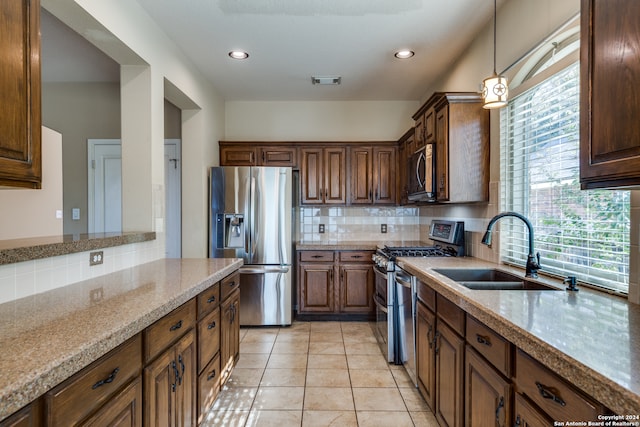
{"x":527,"y":415}
{"x":170,"y":385}
{"x":609,"y":104}
{"x":229,"y":334}
{"x":372,"y":175}
{"x":487,"y":394}
{"x":29,"y":416}
{"x":20,"y":109}
{"x":426,"y":360}
{"x":406,"y":147}
{"x":323,"y":176}
{"x":336,"y":283}
{"x":449,"y":351}
{"x":249,"y":153}
{"x":123,"y":410}
{"x":459,"y":127}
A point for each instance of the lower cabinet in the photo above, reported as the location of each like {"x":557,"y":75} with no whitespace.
{"x":229,"y":335}
{"x":29,"y":416}
{"x":170,"y":385}
{"x":527,"y":415}
{"x":449,"y":351}
{"x":123,"y":410}
{"x":336,"y":283}
{"x":426,"y":363}
{"x":487,"y":394}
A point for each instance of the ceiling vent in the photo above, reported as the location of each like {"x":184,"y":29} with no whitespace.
{"x":326,"y":80}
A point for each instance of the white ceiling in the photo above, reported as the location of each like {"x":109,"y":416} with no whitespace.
{"x":291,"y":40}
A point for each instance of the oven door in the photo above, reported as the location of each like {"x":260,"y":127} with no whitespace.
{"x":384,"y":315}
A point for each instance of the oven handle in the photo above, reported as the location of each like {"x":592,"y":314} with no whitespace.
{"x":403,"y":281}
{"x":377,"y":270}
{"x":379,"y":305}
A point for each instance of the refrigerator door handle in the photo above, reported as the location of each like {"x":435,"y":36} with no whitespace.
{"x":264,"y":269}
{"x":254,"y":219}
{"x":282,"y":180}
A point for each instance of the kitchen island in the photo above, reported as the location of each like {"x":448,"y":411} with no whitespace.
{"x":49,"y":336}
{"x":588,"y":338}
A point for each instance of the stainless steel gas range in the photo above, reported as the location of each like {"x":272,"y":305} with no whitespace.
{"x":395,"y":293}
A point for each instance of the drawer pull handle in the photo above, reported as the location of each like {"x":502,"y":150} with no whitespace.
{"x":211,"y":375}
{"x":107,"y":380}
{"x":211,"y":325}
{"x":500,"y":406}
{"x":211,"y":299}
{"x":316,"y":256}
{"x":232,"y":283}
{"x":176,"y":326}
{"x":548,"y":393}
{"x":356,"y":256}
{"x":483,"y":340}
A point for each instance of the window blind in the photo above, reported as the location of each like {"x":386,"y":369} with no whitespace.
{"x":578,"y":233}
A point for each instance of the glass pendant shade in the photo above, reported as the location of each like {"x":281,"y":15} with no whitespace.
{"x":495,"y":91}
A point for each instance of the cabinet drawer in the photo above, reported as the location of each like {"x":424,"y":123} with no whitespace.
{"x":228,"y":285}
{"x":316,"y":256}
{"x":208,"y":387}
{"x":87,"y":390}
{"x":451,"y":313}
{"x":169,"y":329}
{"x":427,"y":295}
{"x":208,"y":338}
{"x":208,"y":300}
{"x":551,"y":393}
{"x":356,"y":256}
{"x":492,"y":346}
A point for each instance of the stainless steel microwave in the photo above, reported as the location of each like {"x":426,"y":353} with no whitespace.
{"x":422,"y":169}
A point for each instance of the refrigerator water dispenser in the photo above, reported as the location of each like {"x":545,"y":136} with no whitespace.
{"x":232,"y":227}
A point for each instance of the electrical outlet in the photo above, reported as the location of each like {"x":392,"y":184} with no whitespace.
{"x":383,"y":228}
{"x":96,"y":258}
{"x":321,"y":228}
{"x":96,"y":295}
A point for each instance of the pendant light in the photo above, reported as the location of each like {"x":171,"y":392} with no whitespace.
{"x":495,"y":90}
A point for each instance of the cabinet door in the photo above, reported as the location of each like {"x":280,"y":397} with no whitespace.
{"x":238,"y":156}
{"x":229,"y":335}
{"x":526,"y":415}
{"x":29,"y":416}
{"x":609,"y":108}
{"x":123,"y":410}
{"x":160,"y":382}
{"x":449,"y":376}
{"x":442,"y":154}
{"x":316,"y":288}
{"x":426,"y":357}
{"x":384,"y":178}
{"x":311,"y":176}
{"x":185,"y":394}
{"x":356,"y":288}
{"x":335,"y":182}
{"x":278,"y":156}
{"x":429,"y":125}
{"x":487,"y":394}
{"x":20,"y":111}
{"x":419,"y":132}
{"x":361,"y":176}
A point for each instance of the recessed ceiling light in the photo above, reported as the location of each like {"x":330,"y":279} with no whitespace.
{"x":329,"y":80}
{"x":404,"y":54}
{"x":238,"y":54}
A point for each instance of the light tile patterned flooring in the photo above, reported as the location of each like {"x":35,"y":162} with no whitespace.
{"x":315,"y":374}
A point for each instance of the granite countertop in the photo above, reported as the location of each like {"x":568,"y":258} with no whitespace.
{"x":590,"y":338}
{"x":353,"y":245}
{"x":19,"y":250}
{"x":47,"y":337}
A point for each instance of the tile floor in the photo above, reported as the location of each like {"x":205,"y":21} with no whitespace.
{"x":317,"y":374}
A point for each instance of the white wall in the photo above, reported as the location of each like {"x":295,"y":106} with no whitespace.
{"x":318,"y":120}
{"x":32,"y":213}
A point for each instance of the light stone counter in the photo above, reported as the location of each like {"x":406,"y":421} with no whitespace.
{"x":47,"y":337}
{"x":589,"y":338}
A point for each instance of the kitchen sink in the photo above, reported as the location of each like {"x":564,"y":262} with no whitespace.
{"x":492,"y":279}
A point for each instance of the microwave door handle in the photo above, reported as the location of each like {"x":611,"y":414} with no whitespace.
{"x":421,"y":159}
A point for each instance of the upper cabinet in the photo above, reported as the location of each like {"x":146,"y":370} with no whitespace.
{"x":458,"y":126}
{"x":609,"y":104}
{"x":251,"y":154}
{"x":323,"y":176}
{"x":373,"y":175}
{"x":20,"y":109}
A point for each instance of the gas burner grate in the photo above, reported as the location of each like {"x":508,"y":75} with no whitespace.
{"x":427,"y":251}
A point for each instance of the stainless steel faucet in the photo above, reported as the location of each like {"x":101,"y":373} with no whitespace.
{"x":533,"y":261}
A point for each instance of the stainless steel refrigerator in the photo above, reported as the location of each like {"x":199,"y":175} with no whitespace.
{"x":250,"y":218}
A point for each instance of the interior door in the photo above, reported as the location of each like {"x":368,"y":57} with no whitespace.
{"x":104,"y":185}
{"x":173,"y":199}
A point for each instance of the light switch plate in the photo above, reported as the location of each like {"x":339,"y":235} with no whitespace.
{"x":75,"y":214}
{"x":321,"y":228}
{"x":383,"y":228}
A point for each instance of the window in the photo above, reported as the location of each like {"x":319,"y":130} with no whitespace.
{"x":578,"y":233}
